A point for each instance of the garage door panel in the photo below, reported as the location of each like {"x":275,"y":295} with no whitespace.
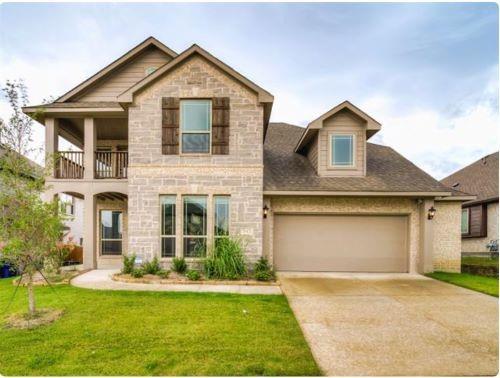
{"x":340,"y":243}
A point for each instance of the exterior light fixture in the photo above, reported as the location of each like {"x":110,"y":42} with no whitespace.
{"x":431,"y":212}
{"x":265,"y":211}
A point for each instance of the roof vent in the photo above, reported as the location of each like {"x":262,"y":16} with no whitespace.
{"x":455,"y":185}
{"x":484,"y":160}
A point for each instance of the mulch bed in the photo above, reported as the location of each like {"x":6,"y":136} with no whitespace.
{"x":60,"y":279}
{"x":42,"y":317}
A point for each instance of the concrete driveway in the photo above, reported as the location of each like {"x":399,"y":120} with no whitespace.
{"x":394,"y":324}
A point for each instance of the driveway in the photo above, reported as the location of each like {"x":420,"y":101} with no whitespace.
{"x":394,"y":324}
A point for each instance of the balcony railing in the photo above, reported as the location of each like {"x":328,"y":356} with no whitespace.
{"x":111,"y":165}
{"x":69,"y":165}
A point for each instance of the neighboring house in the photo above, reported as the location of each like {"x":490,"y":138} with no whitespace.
{"x":178,"y":150}
{"x":479,"y":216}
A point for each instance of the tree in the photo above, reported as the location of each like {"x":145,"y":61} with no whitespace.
{"x":29,"y":227}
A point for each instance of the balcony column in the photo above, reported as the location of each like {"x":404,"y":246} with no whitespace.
{"x":89,"y":231}
{"x":89,"y":148}
{"x":51,"y":142}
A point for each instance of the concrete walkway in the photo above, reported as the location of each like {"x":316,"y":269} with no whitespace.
{"x":101,"y":280}
{"x":401,"y":324}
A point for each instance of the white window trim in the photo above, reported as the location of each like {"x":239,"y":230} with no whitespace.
{"x":174,"y":236}
{"x":330,"y":150}
{"x":181,"y":132}
{"x":101,"y":239}
{"x":467,"y":209}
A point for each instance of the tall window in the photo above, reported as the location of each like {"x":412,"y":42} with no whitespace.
{"x":342,"y":150}
{"x":196,"y":122}
{"x":195,"y":226}
{"x":111,"y":232}
{"x":167,"y":204}
{"x":221,"y":218}
{"x":465,"y":221}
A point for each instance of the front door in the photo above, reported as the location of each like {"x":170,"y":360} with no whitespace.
{"x":111,"y":232}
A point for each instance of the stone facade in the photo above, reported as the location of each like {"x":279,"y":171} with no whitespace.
{"x":446,"y":233}
{"x":479,"y":244}
{"x":238,"y":174}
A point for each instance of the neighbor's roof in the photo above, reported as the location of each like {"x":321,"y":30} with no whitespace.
{"x":479,"y":178}
{"x":386,"y":170}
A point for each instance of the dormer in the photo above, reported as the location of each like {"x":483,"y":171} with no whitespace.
{"x":335,"y":143}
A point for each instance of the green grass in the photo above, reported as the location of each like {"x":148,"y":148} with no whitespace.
{"x":486,"y":285}
{"x":148,"y":333}
{"x":482,"y":261}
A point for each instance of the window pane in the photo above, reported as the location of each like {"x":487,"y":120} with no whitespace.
{"x":195,"y":247}
{"x":342,"y":150}
{"x":195,"y":115}
{"x":111,"y":224}
{"x":195,"y":143}
{"x":195,"y":216}
{"x":465,"y":221}
{"x":167,"y":246}
{"x":111,"y":247}
{"x":221,"y":215}
{"x":167,"y":204}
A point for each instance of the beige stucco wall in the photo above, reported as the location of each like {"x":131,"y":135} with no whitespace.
{"x":238,"y":174}
{"x":479,"y":244}
{"x":347,"y":205}
{"x":446,"y":229}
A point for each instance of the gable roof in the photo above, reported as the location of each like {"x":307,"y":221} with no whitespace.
{"x":479,"y":178}
{"x":372,"y":125}
{"x":386,"y":170}
{"x":148,"y":42}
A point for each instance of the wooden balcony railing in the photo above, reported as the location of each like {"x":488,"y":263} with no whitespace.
{"x":111,"y":165}
{"x":69,"y":165}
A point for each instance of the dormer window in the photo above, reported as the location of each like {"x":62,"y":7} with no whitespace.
{"x":342,"y":148}
{"x":196,"y":125}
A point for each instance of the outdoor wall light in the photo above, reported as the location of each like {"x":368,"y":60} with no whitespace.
{"x":265,"y":210}
{"x":431,"y":212}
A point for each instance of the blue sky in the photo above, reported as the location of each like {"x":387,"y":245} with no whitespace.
{"x":427,"y":72}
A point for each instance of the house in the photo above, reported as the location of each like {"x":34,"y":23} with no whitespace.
{"x":479,"y":216}
{"x":178,"y":150}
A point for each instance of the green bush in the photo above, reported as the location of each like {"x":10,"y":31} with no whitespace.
{"x":137,"y":273}
{"x":128,"y":264}
{"x":152,"y":267}
{"x":193,"y":275}
{"x":163,"y":274}
{"x":262,"y":271}
{"x":179,"y":265}
{"x":226,"y":260}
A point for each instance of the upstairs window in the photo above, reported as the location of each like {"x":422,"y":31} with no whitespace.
{"x":342,"y":150}
{"x":196,"y":125}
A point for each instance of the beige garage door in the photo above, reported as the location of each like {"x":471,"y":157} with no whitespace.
{"x":340,"y":243}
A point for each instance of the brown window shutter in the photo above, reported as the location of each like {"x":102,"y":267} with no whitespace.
{"x":478,"y":220}
{"x":170,"y":126}
{"x":220,"y":126}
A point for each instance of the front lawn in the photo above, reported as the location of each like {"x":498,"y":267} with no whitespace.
{"x":486,"y":285}
{"x":148,"y":333}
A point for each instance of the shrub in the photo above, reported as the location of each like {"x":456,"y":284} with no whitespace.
{"x":152,"y":267}
{"x":128,"y":264}
{"x":179,"y":265}
{"x":163,"y":274}
{"x":193,"y":275}
{"x":226,"y":260}
{"x":137,"y":273}
{"x":262,"y":271}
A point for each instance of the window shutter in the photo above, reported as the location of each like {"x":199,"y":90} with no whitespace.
{"x":220,"y":126}
{"x":170,"y":126}
{"x":477,"y":226}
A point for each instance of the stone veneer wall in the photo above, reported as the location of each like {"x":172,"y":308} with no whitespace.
{"x":479,"y":244}
{"x":348,"y":205}
{"x":447,"y":236}
{"x":239,"y":174}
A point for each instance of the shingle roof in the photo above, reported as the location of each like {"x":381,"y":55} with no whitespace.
{"x":94,"y":104}
{"x":479,"y":178}
{"x":386,"y":170}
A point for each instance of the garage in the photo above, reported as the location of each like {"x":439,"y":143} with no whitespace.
{"x":340,"y":243}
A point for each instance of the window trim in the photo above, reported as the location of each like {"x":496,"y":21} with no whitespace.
{"x":101,"y":239}
{"x":174,"y":235}
{"x":214,"y":207}
{"x":466,"y":209}
{"x":209,"y":132}
{"x":207,"y":231}
{"x":330,"y":164}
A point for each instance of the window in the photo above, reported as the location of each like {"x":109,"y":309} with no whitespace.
{"x":465,"y":221}
{"x":196,"y":123}
{"x":221,"y":218}
{"x":195,"y":226}
{"x":167,"y":204}
{"x":111,"y":232}
{"x":342,"y":150}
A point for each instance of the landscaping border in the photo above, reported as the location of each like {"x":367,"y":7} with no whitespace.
{"x":119,"y":277}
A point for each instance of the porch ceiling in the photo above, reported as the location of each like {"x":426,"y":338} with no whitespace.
{"x":106,"y":129}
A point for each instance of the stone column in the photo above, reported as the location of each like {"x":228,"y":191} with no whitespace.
{"x":90,"y":138}
{"x":89,"y":232}
{"x":426,"y":263}
{"x":51,"y":141}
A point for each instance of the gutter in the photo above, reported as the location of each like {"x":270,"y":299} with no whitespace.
{"x":355,"y":194}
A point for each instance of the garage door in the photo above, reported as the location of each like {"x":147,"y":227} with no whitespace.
{"x":340,"y":243}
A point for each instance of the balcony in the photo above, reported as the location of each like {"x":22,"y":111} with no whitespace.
{"x":107,"y":165}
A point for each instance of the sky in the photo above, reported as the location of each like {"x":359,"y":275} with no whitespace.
{"x":427,"y":72}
